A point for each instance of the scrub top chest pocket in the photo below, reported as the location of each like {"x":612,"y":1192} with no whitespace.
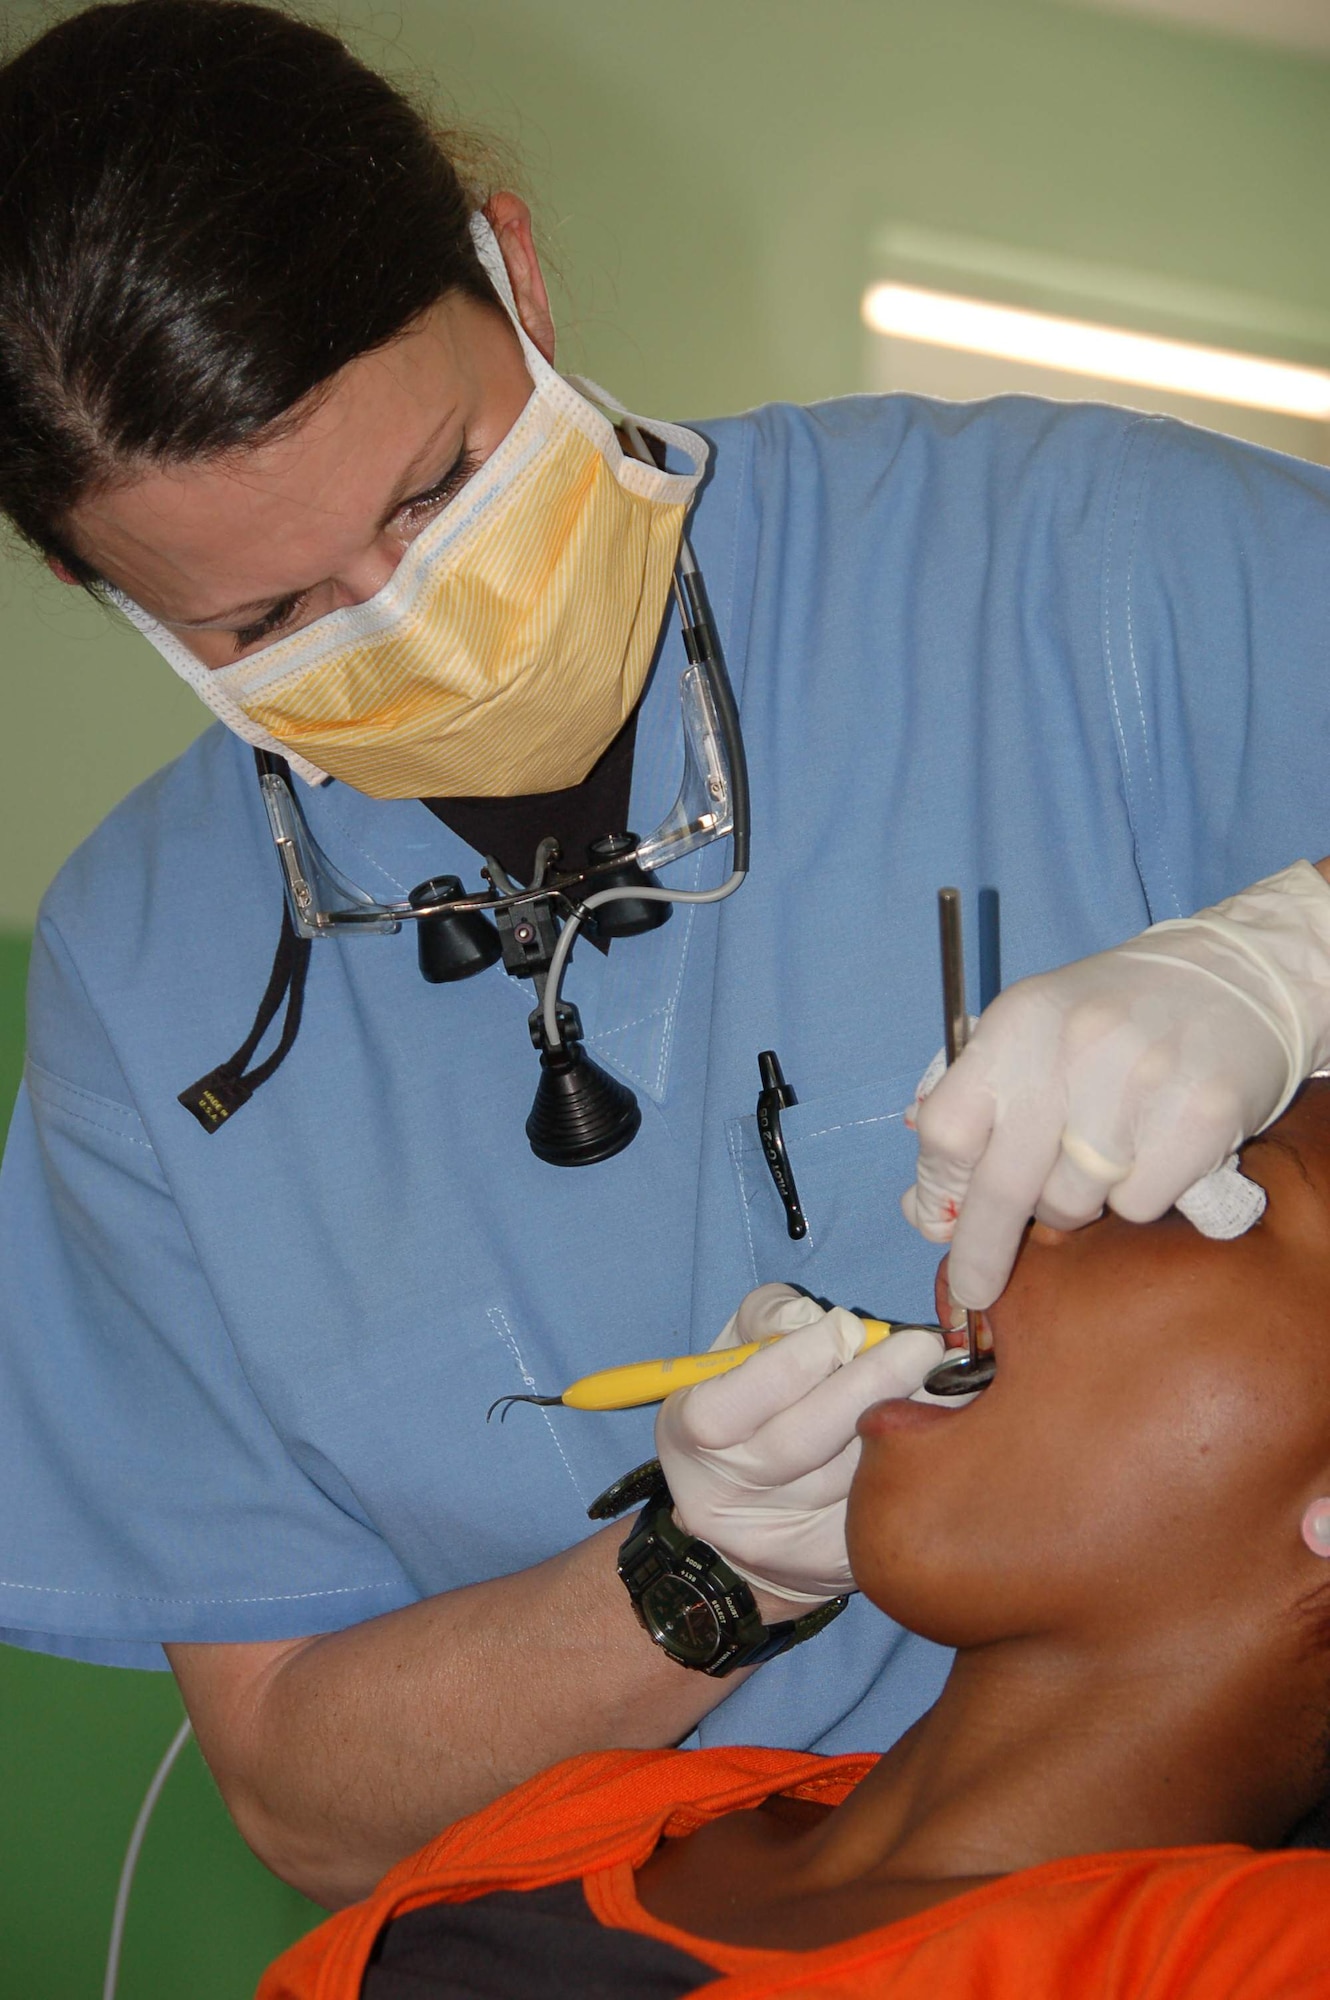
{"x":851,"y":1157}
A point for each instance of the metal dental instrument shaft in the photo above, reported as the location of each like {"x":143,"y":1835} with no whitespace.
{"x":957,"y":1022}
{"x":974,"y":1370}
{"x":955,"y":1013}
{"x":651,"y":1381}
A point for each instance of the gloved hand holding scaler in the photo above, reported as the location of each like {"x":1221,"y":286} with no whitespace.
{"x":759,"y":1461}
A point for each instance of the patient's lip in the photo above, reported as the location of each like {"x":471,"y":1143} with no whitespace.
{"x":896,"y":1415}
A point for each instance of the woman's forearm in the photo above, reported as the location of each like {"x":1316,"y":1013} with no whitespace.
{"x":338,"y":1755}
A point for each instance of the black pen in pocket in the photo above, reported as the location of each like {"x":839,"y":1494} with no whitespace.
{"x":774,"y":1097}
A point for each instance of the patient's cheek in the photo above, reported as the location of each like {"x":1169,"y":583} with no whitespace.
{"x":1046,"y":1236}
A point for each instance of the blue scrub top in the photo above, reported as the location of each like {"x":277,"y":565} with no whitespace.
{"x":1072,"y":654}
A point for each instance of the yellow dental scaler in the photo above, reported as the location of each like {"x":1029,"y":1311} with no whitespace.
{"x":652,"y":1381}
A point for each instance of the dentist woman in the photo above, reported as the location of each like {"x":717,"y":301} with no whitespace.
{"x":277,"y":380}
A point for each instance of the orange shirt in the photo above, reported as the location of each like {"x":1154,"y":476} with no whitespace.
{"x":1198,"y":1923}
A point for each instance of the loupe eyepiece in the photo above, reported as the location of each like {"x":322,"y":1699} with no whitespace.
{"x":626,"y":916}
{"x":454,"y":944}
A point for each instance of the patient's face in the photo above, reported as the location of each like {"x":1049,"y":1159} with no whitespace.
{"x":1160,"y":1418}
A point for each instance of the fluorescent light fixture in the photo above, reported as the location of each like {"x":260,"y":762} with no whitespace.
{"x":1106,"y":352}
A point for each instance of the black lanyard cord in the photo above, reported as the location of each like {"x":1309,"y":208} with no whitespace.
{"x":223,"y":1090}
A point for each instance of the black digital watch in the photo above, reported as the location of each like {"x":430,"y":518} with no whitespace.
{"x":688,"y":1600}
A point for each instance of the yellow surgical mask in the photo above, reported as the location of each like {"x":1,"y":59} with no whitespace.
{"x":514,"y":637}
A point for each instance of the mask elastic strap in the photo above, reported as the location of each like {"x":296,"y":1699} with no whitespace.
{"x":491,"y":259}
{"x":487,"y":250}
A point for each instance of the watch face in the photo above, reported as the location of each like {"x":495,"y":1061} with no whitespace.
{"x":678,"y":1615}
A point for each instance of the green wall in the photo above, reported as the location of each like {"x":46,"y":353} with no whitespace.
{"x":710,"y":178}
{"x":13,"y":973}
{"x":78,"y":1745}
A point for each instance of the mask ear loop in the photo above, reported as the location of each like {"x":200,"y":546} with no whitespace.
{"x":1316,"y":1527}
{"x":491,"y":257}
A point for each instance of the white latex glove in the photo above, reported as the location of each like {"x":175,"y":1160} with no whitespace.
{"x":759,"y":1461}
{"x":1125,"y":1078}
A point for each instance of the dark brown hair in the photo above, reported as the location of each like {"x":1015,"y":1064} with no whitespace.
{"x":207,"y":208}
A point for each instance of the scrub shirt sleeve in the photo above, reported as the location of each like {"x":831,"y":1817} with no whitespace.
{"x":1216,"y":641}
{"x":144,"y":1494}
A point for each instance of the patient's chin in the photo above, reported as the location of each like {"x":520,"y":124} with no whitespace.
{"x":930,"y":1613}
{"x":925,"y":1582}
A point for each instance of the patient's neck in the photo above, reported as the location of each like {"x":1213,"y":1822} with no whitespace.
{"x":1035,"y":1751}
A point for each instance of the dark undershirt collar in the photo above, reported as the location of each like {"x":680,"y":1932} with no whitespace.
{"x":512,"y":829}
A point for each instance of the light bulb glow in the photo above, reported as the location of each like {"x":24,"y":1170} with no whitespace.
{"x":973,"y":326}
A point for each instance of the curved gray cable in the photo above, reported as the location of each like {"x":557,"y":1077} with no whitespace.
{"x":131,"y":1860}
{"x":568,"y":935}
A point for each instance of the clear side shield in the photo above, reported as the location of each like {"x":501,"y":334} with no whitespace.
{"x":704,"y":809}
{"x":321,"y":899}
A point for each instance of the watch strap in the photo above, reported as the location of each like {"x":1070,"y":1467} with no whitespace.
{"x":645,"y":1482}
{"x":697,"y":1608}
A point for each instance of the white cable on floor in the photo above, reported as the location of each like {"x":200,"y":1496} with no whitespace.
{"x":131,"y":1860}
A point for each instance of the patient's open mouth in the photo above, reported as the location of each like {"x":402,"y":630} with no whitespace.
{"x":969,"y":1365}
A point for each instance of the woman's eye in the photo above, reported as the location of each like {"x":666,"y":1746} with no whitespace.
{"x":413,"y":512}
{"x":271,"y":621}
{"x":440,"y":494}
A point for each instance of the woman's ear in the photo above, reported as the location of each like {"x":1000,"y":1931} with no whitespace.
{"x":510,"y":219}
{"x":58,"y":569}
